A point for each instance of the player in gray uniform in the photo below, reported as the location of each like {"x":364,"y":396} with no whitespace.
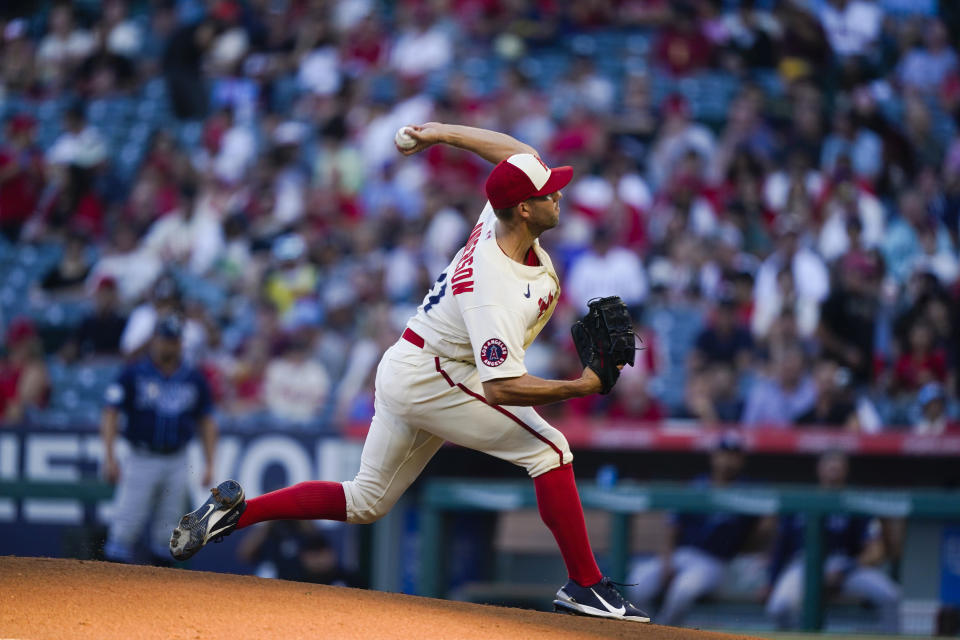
{"x":163,"y":403}
{"x":851,"y":548}
{"x":699,"y":545}
{"x":457,"y":374}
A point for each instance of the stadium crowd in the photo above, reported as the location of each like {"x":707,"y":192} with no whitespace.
{"x":773,"y":187}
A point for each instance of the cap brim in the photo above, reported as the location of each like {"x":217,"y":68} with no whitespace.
{"x":559,"y":178}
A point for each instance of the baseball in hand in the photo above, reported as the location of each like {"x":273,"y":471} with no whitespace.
{"x":403,"y":139}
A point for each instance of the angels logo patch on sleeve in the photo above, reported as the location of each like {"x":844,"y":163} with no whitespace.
{"x":493,"y":353}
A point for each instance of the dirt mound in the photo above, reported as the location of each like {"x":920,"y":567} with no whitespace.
{"x":47,"y":598}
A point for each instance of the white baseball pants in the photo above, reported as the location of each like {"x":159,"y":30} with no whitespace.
{"x":422,"y":400}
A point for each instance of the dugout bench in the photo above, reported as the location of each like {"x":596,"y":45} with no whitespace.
{"x":441,"y":497}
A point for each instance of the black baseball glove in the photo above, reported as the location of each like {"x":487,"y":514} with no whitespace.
{"x":605,"y":340}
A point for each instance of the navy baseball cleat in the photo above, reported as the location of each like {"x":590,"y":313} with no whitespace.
{"x":601,"y":600}
{"x":215,"y":519}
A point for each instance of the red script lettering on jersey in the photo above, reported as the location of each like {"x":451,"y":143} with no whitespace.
{"x":545,"y":304}
{"x":462,"y":280}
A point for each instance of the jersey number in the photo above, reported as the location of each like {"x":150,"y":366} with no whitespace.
{"x":439,"y":288}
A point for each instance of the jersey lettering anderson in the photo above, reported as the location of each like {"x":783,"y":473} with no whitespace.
{"x":485,"y":308}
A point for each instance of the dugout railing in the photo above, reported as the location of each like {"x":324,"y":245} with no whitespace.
{"x":441,"y":497}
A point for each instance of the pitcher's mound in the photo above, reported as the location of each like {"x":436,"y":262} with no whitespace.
{"x":46,"y":598}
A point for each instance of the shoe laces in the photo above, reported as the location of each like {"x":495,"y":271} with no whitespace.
{"x":611,"y":586}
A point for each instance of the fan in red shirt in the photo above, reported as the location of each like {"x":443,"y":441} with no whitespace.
{"x":21,"y":171}
{"x":921,"y":362}
{"x":683,"y":49}
{"x":24,"y":382}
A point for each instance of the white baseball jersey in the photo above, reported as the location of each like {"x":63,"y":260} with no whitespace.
{"x":487,"y":308}
{"x":476,"y":323}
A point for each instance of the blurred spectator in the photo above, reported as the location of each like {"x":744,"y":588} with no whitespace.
{"x":834,"y":405}
{"x":289,"y":177}
{"x":798,"y":181}
{"x":699,"y":545}
{"x":64,"y":46}
{"x":725,"y":340}
{"x":848,"y":318}
{"x":804,"y":48}
{"x":605,"y":270}
{"x":779,"y":399}
{"x":712,"y":396}
{"x":803,"y":312}
{"x":921,"y":361}
{"x":98,"y":334}
{"x":750,"y":36}
{"x":423,"y":45}
{"x":852,"y":26}
{"x":18,"y":68}
{"x":296,"y":387}
{"x":388,"y":194}
{"x":792,"y":278}
{"x":584,"y":86}
{"x":902,"y":247}
{"x":81,"y":144}
{"x":631,"y":398}
{"x":122,"y":35}
{"x":853,"y":549}
{"x":294,"y":550}
{"x":70,"y":273}
{"x":682,"y":48}
{"x":928,"y":146}
{"x":848,"y":207}
{"x":443,"y":236}
{"x":784,"y":333}
{"x":21,"y":175}
{"x":678,"y":135}
{"x":933,"y":419}
{"x":183,"y":59}
{"x":230,"y":145}
{"x":166,"y":299}
{"x":133,"y":268}
{"x":246,"y":375}
{"x":937,"y":256}
{"x":72,"y":205}
{"x":852,"y":144}
{"x":294,"y":277}
{"x":24,"y":383}
{"x":747,"y":140}
{"x":926,"y":68}
{"x":190,"y":235}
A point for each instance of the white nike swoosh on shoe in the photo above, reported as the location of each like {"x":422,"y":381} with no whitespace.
{"x":213,"y":533}
{"x":621,"y":611}
{"x":210,"y":507}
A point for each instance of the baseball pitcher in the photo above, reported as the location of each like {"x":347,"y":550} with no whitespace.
{"x":457,"y":374}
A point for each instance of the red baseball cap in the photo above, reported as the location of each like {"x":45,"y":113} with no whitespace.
{"x":522,"y":176}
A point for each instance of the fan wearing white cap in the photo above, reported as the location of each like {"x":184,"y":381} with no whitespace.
{"x":457,"y":374}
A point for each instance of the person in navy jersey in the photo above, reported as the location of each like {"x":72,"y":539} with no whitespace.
{"x":852,"y":548}
{"x":699,"y":546}
{"x":164,"y":402}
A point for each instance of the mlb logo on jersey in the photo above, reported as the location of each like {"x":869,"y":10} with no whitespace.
{"x":493,"y":353}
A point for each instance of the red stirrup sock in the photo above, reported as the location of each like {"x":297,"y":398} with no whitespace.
{"x":313,"y":500}
{"x":562,"y":512}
